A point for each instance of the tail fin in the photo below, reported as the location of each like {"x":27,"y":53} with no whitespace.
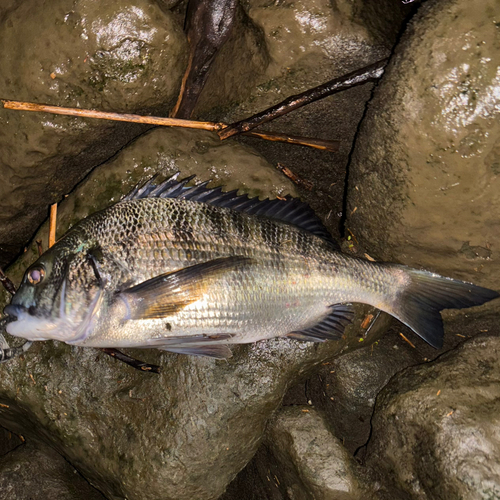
{"x":420,"y":303}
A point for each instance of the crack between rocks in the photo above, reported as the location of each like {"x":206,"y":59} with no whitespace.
{"x":343,"y":219}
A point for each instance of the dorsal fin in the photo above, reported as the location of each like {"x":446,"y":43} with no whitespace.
{"x":291,"y":210}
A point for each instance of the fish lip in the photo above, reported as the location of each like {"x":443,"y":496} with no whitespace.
{"x":13,"y":311}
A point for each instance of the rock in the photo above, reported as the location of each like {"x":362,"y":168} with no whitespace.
{"x":427,"y":154}
{"x":307,"y":44}
{"x":300,"y":460}
{"x":32,"y":473}
{"x":164,"y":151}
{"x":8,"y":441}
{"x":435,"y":427}
{"x":183,"y":434}
{"x":314,"y":463}
{"x":345,"y":389}
{"x":127,"y":57}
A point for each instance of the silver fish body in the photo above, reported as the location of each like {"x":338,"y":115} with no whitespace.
{"x":189,"y":276}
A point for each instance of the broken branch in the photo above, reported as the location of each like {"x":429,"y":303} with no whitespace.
{"x":369,"y":73}
{"x":323,"y":144}
{"x":103,"y":115}
{"x":52,"y":224}
{"x":134,"y":363}
{"x":166,"y":122}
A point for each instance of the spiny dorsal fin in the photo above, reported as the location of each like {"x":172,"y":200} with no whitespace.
{"x":291,"y":210}
{"x":169,"y":293}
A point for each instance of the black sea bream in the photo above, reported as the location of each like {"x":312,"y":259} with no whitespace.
{"x":193,"y":270}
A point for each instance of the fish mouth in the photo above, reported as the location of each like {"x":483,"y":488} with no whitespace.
{"x":25,"y":323}
{"x":13,"y":312}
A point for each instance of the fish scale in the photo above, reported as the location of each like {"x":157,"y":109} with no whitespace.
{"x":192,"y":270}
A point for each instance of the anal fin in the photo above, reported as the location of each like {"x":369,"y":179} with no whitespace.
{"x":331,"y":327}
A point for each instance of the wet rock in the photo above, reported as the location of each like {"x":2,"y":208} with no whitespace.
{"x":423,"y":182}
{"x":183,"y":434}
{"x":164,"y":151}
{"x":126,"y":56}
{"x":300,"y":460}
{"x":313,"y":463}
{"x":8,"y":441}
{"x":307,"y":44}
{"x":31,"y":473}
{"x":435,"y":428}
{"x":345,"y":389}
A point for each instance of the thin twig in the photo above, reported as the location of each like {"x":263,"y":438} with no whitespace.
{"x":167,"y":122}
{"x":323,"y":144}
{"x":294,"y":177}
{"x":134,"y":363}
{"x":370,"y":73}
{"x":404,"y":338}
{"x":102,"y":115}
{"x":52,"y":224}
{"x":7,"y":284}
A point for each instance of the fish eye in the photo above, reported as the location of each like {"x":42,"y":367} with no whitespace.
{"x":36,"y":275}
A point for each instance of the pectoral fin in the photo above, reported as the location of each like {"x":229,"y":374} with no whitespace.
{"x":212,"y":346}
{"x":169,"y":293}
{"x":209,"y":351}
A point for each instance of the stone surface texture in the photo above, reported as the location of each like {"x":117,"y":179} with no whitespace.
{"x":435,"y":428}
{"x":186,"y":433}
{"x":300,"y":45}
{"x":127,"y":57}
{"x":39,"y":473}
{"x":346,"y":388}
{"x":315,"y":464}
{"x":424,"y":177}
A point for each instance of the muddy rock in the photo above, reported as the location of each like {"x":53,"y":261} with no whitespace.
{"x":424,"y":177}
{"x":32,"y":473}
{"x":300,"y":460}
{"x":307,"y":44}
{"x":164,"y":151}
{"x":345,"y":389}
{"x":187,"y":432}
{"x":127,"y":57}
{"x":435,"y":428}
{"x":315,"y":464}
{"x":8,"y":441}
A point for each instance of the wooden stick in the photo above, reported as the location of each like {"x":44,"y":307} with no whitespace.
{"x":367,"y":74}
{"x":102,"y":115}
{"x":52,"y":224}
{"x":208,"y":25}
{"x":134,"y":363}
{"x":295,"y":178}
{"x":7,"y":284}
{"x":323,"y":144}
{"x":166,"y":122}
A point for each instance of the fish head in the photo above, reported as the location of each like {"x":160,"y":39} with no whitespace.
{"x":58,"y":296}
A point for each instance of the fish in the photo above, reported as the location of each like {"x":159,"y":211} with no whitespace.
{"x":194,"y":270}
